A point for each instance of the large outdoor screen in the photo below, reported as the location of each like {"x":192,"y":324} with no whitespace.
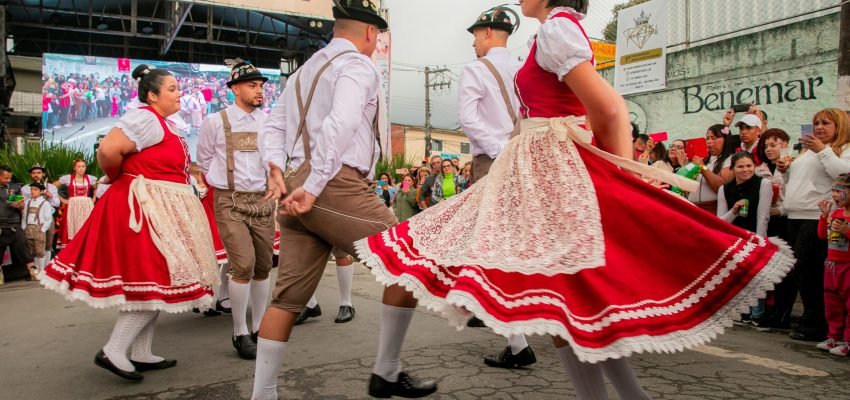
{"x":82,"y":97}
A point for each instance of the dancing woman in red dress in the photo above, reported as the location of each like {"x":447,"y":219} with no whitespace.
{"x":146,"y":246}
{"x":573,"y":260}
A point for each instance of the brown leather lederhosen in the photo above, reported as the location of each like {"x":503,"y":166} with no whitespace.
{"x":35,"y":237}
{"x":481,"y":163}
{"x":347,"y":210}
{"x":245,"y":221}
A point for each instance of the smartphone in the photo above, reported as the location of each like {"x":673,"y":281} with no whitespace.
{"x":806,"y":130}
{"x":658,"y":137}
{"x":400,"y":171}
{"x":696,"y":148}
{"x":405,"y":185}
{"x":739,"y":108}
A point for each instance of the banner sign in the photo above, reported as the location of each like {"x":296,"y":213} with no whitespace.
{"x":641,"y":61}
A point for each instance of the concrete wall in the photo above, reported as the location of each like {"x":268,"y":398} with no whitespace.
{"x":791,"y":71}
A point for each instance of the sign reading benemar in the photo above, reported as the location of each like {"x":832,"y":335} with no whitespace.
{"x":719,"y":97}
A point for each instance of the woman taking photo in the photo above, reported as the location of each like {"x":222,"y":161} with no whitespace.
{"x":676,"y":155}
{"x":422,"y":175}
{"x":715,"y":170}
{"x":147,"y":245}
{"x":809,"y":180}
{"x":385,"y":189}
{"x":79,"y":202}
{"x":404,"y":203}
{"x":545,"y":244}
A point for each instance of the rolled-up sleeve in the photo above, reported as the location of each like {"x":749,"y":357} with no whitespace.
{"x":354,"y":88}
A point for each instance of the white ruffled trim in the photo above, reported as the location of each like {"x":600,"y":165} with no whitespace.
{"x":458,"y":306}
{"x":63,"y":288}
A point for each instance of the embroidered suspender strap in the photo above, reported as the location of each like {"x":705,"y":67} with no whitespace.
{"x":303,"y":108}
{"x":504,"y":89}
{"x":228,"y":140}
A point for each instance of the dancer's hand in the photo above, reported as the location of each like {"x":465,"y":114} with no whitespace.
{"x":299,"y":202}
{"x":276,"y":186}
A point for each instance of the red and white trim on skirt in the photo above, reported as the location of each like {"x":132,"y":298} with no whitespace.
{"x":128,"y":296}
{"x":693,"y":316}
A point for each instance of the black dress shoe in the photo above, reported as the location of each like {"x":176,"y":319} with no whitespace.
{"x":506,"y":359}
{"x":222,"y":308}
{"x":407,"y":387}
{"x":346,"y":313}
{"x":475,"y":323}
{"x":245,"y":346}
{"x":102,"y":361}
{"x":806,"y":335}
{"x":211,"y":312}
{"x":144,"y":366}
{"x":255,"y":336}
{"x":308,"y":313}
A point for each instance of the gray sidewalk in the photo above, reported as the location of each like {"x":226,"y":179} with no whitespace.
{"x":47,"y":345}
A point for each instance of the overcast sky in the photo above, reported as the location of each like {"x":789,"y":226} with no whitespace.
{"x":433,"y":33}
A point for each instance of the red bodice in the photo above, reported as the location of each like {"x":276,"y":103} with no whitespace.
{"x":168,"y":160}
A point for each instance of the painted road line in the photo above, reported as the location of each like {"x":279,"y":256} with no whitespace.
{"x":781,"y":366}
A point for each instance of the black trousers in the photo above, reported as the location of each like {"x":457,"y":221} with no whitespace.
{"x":14,"y":239}
{"x":807,"y":274}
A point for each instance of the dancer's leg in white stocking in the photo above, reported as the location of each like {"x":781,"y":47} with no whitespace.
{"x":224,"y":293}
{"x":621,"y":375}
{"x":240,"y":294}
{"x":313,"y":302}
{"x":586,"y":378}
{"x":517,"y":343}
{"x":127,"y":328}
{"x":269,"y":358}
{"x":141,"y":349}
{"x":259,"y":302}
{"x":394,"y":324}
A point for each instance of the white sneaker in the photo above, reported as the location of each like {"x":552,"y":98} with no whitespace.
{"x":827,"y":344}
{"x":841,"y":349}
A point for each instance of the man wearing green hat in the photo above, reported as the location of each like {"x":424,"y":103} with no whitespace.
{"x":487,"y":111}
{"x":320,"y":146}
{"x":228,"y":153}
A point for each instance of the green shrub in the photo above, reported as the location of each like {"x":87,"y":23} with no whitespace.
{"x":391,"y":165}
{"x":57,"y":160}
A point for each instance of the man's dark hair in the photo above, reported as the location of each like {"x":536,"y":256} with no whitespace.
{"x":635,"y":131}
{"x":578,"y":5}
{"x":6,"y":168}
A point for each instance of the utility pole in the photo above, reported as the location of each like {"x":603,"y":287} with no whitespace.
{"x":442,"y":81}
{"x":844,"y":58}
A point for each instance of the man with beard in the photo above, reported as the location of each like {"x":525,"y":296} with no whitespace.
{"x":229,"y":156}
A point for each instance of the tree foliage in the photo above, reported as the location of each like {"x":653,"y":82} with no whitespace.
{"x":609,"y":33}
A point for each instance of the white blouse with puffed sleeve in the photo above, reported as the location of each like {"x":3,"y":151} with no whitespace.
{"x":561,"y":45}
{"x":142,"y":127}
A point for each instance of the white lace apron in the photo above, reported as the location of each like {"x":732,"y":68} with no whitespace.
{"x":178,"y":226}
{"x":79,"y":209}
{"x":541,"y":215}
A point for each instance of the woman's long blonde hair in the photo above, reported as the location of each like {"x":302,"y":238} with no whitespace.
{"x":842,"y":127}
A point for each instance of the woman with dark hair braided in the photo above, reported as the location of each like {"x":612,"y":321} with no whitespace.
{"x":164,"y":258}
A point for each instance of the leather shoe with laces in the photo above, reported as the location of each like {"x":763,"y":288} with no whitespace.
{"x":406,"y":386}
{"x":506,"y":359}
{"x":308,"y":313}
{"x":245,"y":346}
{"x":101,"y":360}
{"x":346,"y":313}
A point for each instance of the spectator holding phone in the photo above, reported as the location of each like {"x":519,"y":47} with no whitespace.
{"x":808,"y":181}
{"x":745,"y":202}
{"x":833,"y":228}
{"x":421,"y":181}
{"x":405,"y":205}
{"x":715,"y":170}
{"x":385,"y":190}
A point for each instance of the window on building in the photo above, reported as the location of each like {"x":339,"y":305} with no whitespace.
{"x":464,"y":148}
{"x":436,"y":145}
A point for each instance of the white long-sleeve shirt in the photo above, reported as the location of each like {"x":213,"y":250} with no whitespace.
{"x":339,"y":120}
{"x":482,"y":112}
{"x":45,"y":214}
{"x":211,"y":155}
{"x":809,"y":180}
{"x":54,"y":194}
{"x":762,"y":208}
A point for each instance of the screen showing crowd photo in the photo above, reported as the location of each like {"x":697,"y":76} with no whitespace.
{"x":82,"y":97}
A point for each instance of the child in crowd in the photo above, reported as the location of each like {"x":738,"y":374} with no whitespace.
{"x":38,"y":214}
{"x":833,"y":227}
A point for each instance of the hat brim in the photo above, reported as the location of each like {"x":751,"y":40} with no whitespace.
{"x":247,"y":78}
{"x":502,"y":26}
{"x":738,"y":125}
{"x":35,"y":168}
{"x":362,"y":16}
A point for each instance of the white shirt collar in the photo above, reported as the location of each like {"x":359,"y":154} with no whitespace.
{"x":495,"y":51}
{"x":569,"y":10}
{"x":241,"y":114}
{"x":342,"y":44}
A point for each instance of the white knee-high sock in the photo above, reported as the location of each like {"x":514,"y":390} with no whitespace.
{"x":517,"y":343}
{"x":269,"y":358}
{"x":394,"y":324}
{"x":223,"y":292}
{"x":240,"y":293}
{"x":48,"y":255}
{"x":39,"y":263}
{"x":586,"y":378}
{"x":259,"y":302}
{"x":141,"y":349}
{"x":127,"y":328}
{"x":313,"y":302}
{"x":622,"y":376}
{"x":345,"y":275}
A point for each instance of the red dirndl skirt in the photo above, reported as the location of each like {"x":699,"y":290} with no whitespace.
{"x":559,"y":241}
{"x":209,"y":208}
